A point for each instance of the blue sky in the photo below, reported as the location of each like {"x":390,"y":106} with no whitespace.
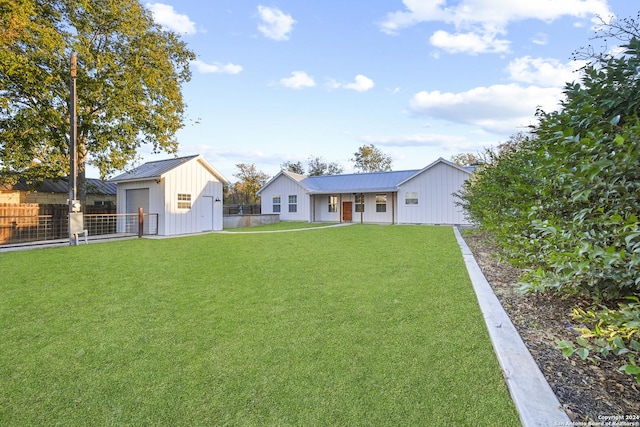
{"x":284,"y":80}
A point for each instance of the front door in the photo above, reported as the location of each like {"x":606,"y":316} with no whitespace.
{"x":347,"y":211}
{"x":206,"y":216}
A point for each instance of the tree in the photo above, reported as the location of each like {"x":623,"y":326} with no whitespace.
{"x":129,"y":77}
{"x":369,"y":158}
{"x":318,"y":167}
{"x":465,"y":159}
{"x":293,"y":167}
{"x":250,"y":181}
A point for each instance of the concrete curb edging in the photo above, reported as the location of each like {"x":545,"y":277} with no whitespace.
{"x":533,"y":397}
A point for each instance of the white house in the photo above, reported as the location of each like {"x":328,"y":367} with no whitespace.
{"x":421,"y":196}
{"x":186,"y":193}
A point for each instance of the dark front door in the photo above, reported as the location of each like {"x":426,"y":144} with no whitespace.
{"x":347,"y":211}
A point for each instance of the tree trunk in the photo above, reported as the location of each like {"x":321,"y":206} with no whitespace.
{"x":82,"y":174}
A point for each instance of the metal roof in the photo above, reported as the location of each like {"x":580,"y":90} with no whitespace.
{"x":154,"y":169}
{"x":157,"y":168}
{"x":61,"y":185}
{"x":357,"y":182}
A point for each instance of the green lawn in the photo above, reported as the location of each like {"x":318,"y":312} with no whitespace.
{"x":360,"y":325}
{"x":281,"y":226}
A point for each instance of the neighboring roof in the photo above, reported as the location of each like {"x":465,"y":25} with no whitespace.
{"x":156,"y":169}
{"x":61,"y":185}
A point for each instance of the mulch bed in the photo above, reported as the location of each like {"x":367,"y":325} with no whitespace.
{"x":588,"y":392}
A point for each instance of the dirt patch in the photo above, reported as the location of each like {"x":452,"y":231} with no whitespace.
{"x":588,"y":392}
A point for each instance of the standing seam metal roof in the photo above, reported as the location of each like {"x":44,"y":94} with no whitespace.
{"x":153,"y":169}
{"x":356,"y":183}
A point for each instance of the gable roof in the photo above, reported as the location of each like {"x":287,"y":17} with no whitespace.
{"x":61,"y":185}
{"x":157,"y":168}
{"x":431,"y":165}
{"x":296,"y":177}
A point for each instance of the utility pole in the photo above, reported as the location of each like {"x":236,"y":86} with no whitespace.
{"x":74,"y":204}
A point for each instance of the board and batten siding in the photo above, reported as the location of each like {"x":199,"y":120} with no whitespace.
{"x":436,"y":203}
{"x":193,"y":179}
{"x":284,"y":186}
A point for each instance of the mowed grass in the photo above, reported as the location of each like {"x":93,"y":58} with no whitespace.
{"x":282,"y":226}
{"x":359,"y":325}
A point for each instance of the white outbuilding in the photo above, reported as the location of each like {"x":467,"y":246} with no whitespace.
{"x":420,"y":196}
{"x":184,"y":193}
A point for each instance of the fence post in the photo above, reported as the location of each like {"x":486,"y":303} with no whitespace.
{"x":140,"y":222}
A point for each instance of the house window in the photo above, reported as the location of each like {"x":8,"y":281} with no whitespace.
{"x":293,"y":203}
{"x":276,"y":204}
{"x":359,"y":202}
{"x":333,"y":203}
{"x":411,"y":198}
{"x":184,"y":201}
{"x":381,"y":202}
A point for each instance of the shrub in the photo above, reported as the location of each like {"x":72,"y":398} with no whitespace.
{"x":608,"y":331}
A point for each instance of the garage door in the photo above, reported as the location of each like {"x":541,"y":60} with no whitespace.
{"x":138,"y":198}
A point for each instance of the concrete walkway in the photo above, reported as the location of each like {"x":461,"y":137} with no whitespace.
{"x":534,"y":399}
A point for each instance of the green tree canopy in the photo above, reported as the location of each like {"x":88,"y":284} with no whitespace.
{"x":369,"y":158}
{"x":129,"y":77}
{"x":319,"y":167}
{"x":295,"y":167}
{"x":250,"y":180}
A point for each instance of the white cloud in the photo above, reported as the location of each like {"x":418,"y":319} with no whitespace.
{"x":361,"y":83}
{"x":499,"y":109}
{"x":164,"y":15}
{"x":276,"y":24}
{"x":413,"y":140}
{"x":298,"y":80}
{"x":471,"y":43}
{"x":540,"y":39}
{"x":477,"y":22}
{"x":547,"y":72}
{"x":216,"y":67}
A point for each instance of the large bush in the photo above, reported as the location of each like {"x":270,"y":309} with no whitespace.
{"x":564,"y":204}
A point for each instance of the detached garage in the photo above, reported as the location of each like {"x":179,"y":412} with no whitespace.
{"x":185,"y":192}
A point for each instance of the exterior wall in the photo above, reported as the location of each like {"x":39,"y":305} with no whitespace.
{"x":205,"y":213}
{"x":370,"y":214}
{"x":284,"y":186}
{"x":320,"y":206}
{"x":436,"y":203}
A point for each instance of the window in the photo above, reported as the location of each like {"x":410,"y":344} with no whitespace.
{"x":359,"y":202}
{"x":184,"y":201}
{"x":381,"y":202}
{"x":411,"y":198}
{"x":276,"y":204}
{"x":333,"y":203}
{"x":293,"y":203}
